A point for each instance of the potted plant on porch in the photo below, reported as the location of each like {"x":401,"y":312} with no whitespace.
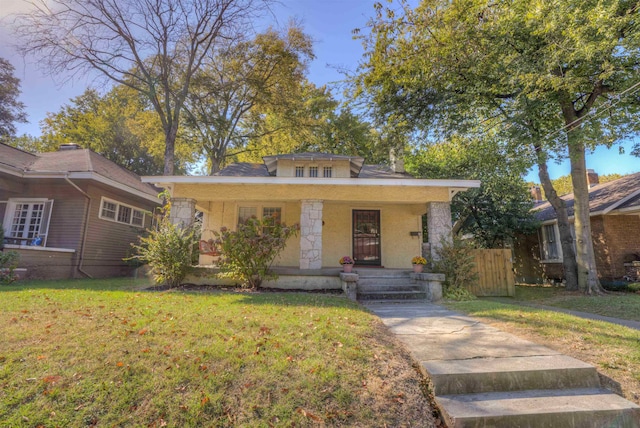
{"x":347,"y":264}
{"x":418,"y":263}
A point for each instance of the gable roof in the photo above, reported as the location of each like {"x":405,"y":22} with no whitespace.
{"x":77,"y":164}
{"x":623,"y":193}
{"x":355,"y":162}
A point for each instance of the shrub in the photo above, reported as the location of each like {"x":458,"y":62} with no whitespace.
{"x":458,"y":294}
{"x":167,"y":249}
{"x":8,"y":263}
{"x":634,"y":286}
{"x":247,"y":253}
{"x":456,"y":262}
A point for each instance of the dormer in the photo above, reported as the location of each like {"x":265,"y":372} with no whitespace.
{"x":313,"y":165}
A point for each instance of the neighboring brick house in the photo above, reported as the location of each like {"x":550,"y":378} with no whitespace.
{"x":615,"y":228}
{"x":71,"y":213}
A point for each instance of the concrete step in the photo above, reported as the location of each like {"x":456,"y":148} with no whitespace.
{"x":479,"y":375}
{"x":574,"y":408}
{"x":392,"y":295}
{"x":382,"y":273}
{"x":395,"y":284}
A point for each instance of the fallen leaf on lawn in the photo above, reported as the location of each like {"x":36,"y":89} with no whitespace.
{"x":307,"y":414}
{"x":42,"y":357}
{"x":119,"y":364}
{"x":204,"y":400}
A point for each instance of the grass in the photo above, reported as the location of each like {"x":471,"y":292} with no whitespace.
{"x":613,"y":304}
{"x":105,"y":353}
{"x":613,"y":349}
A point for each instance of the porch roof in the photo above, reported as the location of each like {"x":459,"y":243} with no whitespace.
{"x":401,"y":190}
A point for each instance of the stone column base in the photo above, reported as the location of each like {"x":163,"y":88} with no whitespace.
{"x":431,"y":284}
{"x":350,"y":284}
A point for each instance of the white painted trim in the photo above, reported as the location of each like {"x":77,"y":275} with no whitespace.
{"x":164,"y":181}
{"x":118,"y":204}
{"x":38,"y":248}
{"x":82,"y":175}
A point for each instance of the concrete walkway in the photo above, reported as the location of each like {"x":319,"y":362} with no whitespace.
{"x":483,"y":377}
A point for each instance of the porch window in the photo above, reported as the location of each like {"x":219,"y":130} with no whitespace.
{"x":27,"y":221}
{"x":327,"y":172}
{"x":550,"y":248}
{"x":313,"y":171}
{"x":245,"y":213}
{"x":299,"y":171}
{"x":121,"y":213}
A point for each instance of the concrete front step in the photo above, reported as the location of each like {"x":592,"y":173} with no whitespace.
{"x":399,"y":286}
{"x":574,"y":408}
{"x":382,"y":273}
{"x":479,"y":375}
{"x":392,"y":295}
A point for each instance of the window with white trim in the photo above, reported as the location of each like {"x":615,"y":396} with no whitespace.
{"x":27,"y":221}
{"x":326,"y":172}
{"x":550,"y":248}
{"x":121,"y":213}
{"x":299,"y":171}
{"x":245,"y":213}
{"x":313,"y":171}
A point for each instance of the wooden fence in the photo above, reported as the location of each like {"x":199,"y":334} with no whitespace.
{"x":495,"y":272}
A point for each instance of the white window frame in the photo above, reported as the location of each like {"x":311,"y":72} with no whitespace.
{"x":327,"y":172}
{"x":313,"y":169}
{"x":299,"y":168}
{"x":43,"y":227}
{"x":259,"y":209}
{"x":117,"y":212}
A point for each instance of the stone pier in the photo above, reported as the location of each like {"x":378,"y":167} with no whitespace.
{"x":311,"y":234}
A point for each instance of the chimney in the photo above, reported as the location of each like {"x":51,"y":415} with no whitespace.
{"x":592,"y":178}
{"x":536,"y":193}
{"x":397,"y":162}
{"x":68,"y":146}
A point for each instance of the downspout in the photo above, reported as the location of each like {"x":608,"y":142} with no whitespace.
{"x":86,"y":225}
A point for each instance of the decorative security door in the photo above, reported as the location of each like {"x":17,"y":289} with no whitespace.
{"x":366,"y":237}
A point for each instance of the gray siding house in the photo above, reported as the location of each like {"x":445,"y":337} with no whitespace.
{"x":71,"y":213}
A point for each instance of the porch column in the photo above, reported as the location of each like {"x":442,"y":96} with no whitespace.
{"x":183,"y":211}
{"x":311,"y":234}
{"x":438,"y":225}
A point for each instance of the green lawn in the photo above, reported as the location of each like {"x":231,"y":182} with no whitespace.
{"x":613,"y":304}
{"x":613,"y":349}
{"x":106,"y":353}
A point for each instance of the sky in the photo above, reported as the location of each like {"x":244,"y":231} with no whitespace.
{"x":330,"y":24}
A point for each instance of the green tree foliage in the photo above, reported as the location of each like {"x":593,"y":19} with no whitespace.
{"x":11,"y":110}
{"x":556,"y":76}
{"x":238,"y":83}
{"x":248,"y":252}
{"x":500,"y":208}
{"x":119,"y":125}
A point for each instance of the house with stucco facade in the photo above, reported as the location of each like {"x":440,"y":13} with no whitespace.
{"x":372,"y":213}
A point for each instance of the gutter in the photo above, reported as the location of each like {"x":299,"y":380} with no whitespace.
{"x":86,"y":225}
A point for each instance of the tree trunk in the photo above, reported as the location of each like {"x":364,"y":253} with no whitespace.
{"x":566,"y":239}
{"x":587,"y":272}
{"x":169,"y":148}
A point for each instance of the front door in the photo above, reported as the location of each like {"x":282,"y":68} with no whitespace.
{"x":366,"y":237}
